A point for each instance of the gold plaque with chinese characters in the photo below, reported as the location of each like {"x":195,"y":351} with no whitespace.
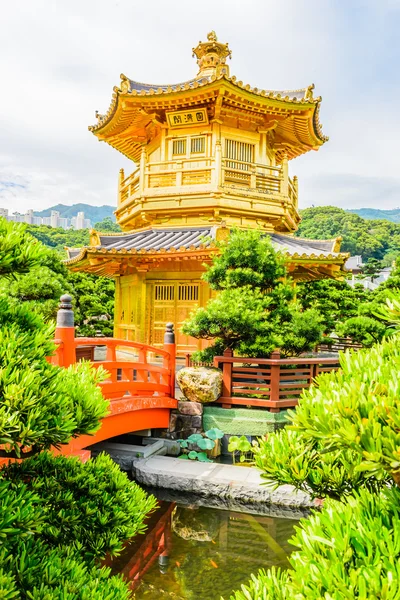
{"x":187,"y":118}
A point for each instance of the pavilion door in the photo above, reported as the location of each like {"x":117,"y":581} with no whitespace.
{"x":173,"y":302}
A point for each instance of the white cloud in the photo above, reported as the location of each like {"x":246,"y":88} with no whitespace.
{"x":60,"y":60}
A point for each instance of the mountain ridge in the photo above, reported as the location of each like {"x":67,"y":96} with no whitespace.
{"x":392,"y":215}
{"x":94,"y":213}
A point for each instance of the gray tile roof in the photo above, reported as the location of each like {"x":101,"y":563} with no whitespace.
{"x":137,"y":86}
{"x":294,"y":245}
{"x":194,"y":237}
{"x":156,"y":239}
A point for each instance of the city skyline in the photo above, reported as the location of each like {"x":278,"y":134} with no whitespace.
{"x":77,"y":221}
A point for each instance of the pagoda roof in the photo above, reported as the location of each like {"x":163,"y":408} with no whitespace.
{"x":137,"y":110}
{"x":195,"y":242}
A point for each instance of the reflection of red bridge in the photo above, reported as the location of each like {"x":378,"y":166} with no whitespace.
{"x":140,"y":385}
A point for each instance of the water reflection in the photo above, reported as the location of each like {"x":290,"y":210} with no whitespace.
{"x":197,"y":553}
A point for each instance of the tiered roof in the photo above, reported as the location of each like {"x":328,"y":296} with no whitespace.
{"x":138,"y":110}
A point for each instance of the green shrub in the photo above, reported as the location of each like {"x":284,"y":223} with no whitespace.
{"x":41,"y":404}
{"x":363,"y":330}
{"x":92,"y":504}
{"x":58,"y":517}
{"x":348,"y":550}
{"x":254,"y":312}
{"x":345,"y":432}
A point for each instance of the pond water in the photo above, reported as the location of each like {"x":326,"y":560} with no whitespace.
{"x":198,"y":553}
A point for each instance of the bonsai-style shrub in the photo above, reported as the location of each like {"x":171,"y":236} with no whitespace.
{"x":255,"y":310}
{"x":364,"y":330}
{"x":58,"y":517}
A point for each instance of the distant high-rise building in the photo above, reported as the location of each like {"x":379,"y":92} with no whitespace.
{"x":29,"y":217}
{"x":54,"y":217}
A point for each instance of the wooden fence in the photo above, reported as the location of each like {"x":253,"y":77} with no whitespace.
{"x":275,"y":383}
{"x":337,"y":345}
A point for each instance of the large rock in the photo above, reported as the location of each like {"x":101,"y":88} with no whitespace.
{"x":190,"y":408}
{"x":200,"y":384}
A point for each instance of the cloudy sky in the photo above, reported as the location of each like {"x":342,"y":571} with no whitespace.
{"x":59,"y":60}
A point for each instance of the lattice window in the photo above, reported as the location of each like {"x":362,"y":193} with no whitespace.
{"x":197,"y":145}
{"x":239,"y":152}
{"x":179,"y":147}
{"x":188,"y":292}
{"x":164,"y":292}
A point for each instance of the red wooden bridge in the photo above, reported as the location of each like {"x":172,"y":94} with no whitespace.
{"x":140,"y":383}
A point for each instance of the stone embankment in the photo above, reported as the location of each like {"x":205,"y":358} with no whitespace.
{"x":232,"y":485}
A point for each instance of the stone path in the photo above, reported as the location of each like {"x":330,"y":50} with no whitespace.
{"x":227,"y":482}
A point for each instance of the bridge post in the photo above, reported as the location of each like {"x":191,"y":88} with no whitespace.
{"x":65,"y":331}
{"x":170,"y":347}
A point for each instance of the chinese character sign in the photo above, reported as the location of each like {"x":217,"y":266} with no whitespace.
{"x":187,"y":118}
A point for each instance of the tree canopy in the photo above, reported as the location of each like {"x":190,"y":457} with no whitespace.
{"x":254,"y":312}
{"x":41,"y":283}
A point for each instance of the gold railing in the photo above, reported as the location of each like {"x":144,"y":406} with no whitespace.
{"x":129,"y":186}
{"x":175,"y":173}
{"x":263,"y":179}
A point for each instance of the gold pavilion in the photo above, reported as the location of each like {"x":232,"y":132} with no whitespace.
{"x":210,"y":154}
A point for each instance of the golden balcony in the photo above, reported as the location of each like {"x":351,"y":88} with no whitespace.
{"x":189,"y":185}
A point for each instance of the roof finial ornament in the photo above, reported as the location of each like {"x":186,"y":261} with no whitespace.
{"x":211,"y":57}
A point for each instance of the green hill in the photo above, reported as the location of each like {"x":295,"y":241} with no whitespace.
{"x":94,"y":213}
{"x":372,"y":238}
{"x":375,"y":214}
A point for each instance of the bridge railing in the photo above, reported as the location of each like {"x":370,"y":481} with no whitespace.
{"x":134,"y":369}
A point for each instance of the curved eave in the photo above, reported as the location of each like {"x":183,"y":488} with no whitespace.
{"x":128,"y":110}
{"x":82,"y":260}
{"x":331,"y":258}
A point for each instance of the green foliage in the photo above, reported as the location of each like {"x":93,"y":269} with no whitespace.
{"x":57,"y":238}
{"x":215,"y":433}
{"x":31,"y":414}
{"x":19,"y":252}
{"x":43,"y":573}
{"x":254,"y":311}
{"x":270,"y":585}
{"x":91,"y":505}
{"x":390,"y":312}
{"x":363,"y":330}
{"x":107,"y":225}
{"x":334,"y":300}
{"x":372,"y":267}
{"x":204,"y":441}
{"x":371,"y":239}
{"x":348,"y":550}
{"x":346,"y":432}
{"x":247,"y":258}
{"x":48,"y":279}
{"x":58,"y":517}
{"x":93,"y":303}
{"x":242,"y":446}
